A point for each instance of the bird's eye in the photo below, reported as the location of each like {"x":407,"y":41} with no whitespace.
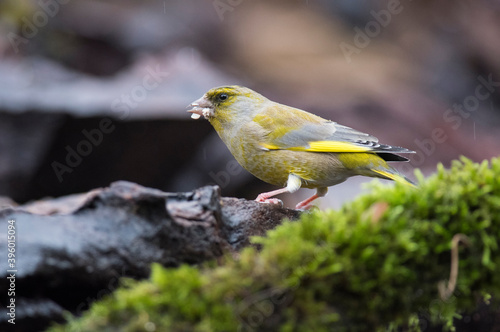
{"x":223,"y":96}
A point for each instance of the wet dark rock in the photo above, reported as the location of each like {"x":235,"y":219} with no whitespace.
{"x":72,"y":250}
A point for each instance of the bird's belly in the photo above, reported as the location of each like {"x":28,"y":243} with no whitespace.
{"x":316,"y":169}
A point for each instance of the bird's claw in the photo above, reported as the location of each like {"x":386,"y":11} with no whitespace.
{"x":266,"y":200}
{"x":306,"y":207}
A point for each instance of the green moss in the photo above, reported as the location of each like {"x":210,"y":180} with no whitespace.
{"x":373,"y":265}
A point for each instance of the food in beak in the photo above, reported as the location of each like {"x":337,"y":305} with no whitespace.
{"x":200,"y":107}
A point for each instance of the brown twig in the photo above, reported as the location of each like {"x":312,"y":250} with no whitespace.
{"x":446,"y":291}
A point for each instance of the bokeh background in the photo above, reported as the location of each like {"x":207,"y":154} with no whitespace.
{"x":96,"y":91}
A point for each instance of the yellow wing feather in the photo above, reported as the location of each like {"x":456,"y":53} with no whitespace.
{"x":323,"y":146}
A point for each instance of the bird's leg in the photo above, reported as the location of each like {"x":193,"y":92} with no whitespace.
{"x":306,"y":204}
{"x":292,"y":185}
{"x":265,"y":197}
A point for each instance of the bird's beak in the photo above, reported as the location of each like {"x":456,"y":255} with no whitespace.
{"x":201,"y":107}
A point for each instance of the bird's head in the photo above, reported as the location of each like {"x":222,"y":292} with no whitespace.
{"x":226,"y":104}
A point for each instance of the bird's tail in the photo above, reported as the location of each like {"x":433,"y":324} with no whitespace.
{"x":392,"y":174}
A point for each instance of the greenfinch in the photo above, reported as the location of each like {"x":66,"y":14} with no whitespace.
{"x":292,"y":148}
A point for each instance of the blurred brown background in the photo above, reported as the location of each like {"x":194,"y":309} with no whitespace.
{"x":95,"y":91}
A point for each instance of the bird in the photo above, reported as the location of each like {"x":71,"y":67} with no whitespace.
{"x":292,"y":148}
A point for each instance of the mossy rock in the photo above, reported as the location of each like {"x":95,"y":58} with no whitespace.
{"x":375,"y":264}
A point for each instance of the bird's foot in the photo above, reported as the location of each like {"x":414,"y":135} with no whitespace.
{"x":306,"y":204}
{"x":308,"y":207}
{"x":266,"y":200}
{"x":266,"y":197}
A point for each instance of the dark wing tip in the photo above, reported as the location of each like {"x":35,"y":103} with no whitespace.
{"x":377,"y":147}
{"x":387,"y":156}
{"x":386,"y":152}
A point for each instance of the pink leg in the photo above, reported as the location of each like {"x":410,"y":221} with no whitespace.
{"x":265,"y":197}
{"x":306,"y":204}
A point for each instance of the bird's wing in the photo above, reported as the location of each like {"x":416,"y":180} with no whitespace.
{"x":289,"y":128}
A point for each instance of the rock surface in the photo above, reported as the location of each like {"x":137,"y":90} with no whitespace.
{"x":72,"y":250}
